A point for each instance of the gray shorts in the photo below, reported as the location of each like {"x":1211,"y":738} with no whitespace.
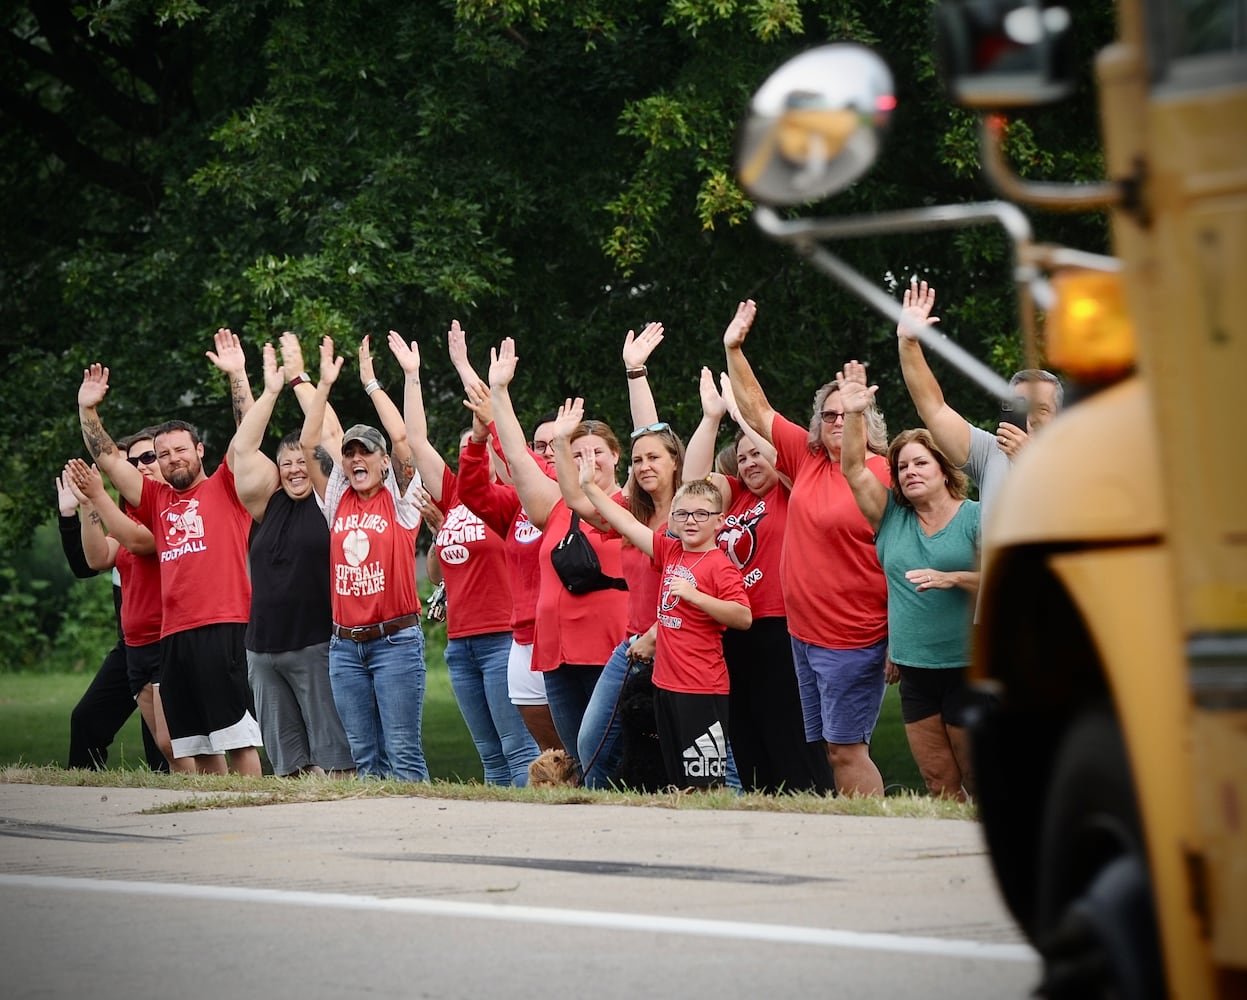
{"x":294,"y":702}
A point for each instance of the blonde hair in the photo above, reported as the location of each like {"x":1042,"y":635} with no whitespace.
{"x":700,"y":488}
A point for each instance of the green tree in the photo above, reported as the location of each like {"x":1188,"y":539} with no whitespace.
{"x":558,"y":171}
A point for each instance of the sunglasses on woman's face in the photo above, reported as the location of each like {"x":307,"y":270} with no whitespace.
{"x":147,"y":458}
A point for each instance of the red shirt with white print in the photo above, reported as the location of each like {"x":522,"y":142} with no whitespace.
{"x":372,"y":551}
{"x":474,"y":565}
{"x":201,"y":542}
{"x":689,"y":658}
{"x":752,"y":536}
{"x":498,"y":505}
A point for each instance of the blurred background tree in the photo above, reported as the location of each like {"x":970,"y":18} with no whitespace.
{"x":560,"y":172}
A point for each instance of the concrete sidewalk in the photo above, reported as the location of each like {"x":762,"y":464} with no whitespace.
{"x":910,"y":880}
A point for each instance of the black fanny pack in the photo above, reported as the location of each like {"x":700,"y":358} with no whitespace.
{"x":576,"y":563}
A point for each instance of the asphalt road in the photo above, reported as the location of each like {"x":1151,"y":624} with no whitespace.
{"x":422,"y":897}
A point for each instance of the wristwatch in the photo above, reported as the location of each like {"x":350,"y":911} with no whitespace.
{"x":298,"y":379}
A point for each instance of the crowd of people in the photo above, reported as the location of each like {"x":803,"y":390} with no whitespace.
{"x":768,"y":590}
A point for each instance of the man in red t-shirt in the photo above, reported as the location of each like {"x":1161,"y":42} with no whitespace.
{"x":200,"y":528}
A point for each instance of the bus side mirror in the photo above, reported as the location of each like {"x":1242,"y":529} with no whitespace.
{"x":815,"y":125}
{"x":996,"y":54}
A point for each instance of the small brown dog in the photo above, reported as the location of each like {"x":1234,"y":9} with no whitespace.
{"x":552,"y":769}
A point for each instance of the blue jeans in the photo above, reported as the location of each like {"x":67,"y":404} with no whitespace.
{"x":600,"y":725}
{"x":569,"y":688}
{"x":478,"y":676}
{"x":378,"y":688}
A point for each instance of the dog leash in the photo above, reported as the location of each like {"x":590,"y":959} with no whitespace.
{"x":611,"y":721}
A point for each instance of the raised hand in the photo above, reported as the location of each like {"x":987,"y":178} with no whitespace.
{"x":737,"y":330}
{"x":638,"y":347}
{"x":94,"y":386}
{"x":855,"y":394}
{"x":569,"y":417}
{"x":366,"y":374}
{"x":457,"y":344}
{"x":502,"y":362}
{"x":407,"y":355}
{"x":330,"y":366}
{"x":291,"y":354}
{"x":916,"y":305}
{"x":66,"y":499}
{"x":587,"y":471}
{"x":274,"y":374}
{"x":482,"y":409}
{"x":712,"y":404}
{"x":228,"y":356}
{"x":85,"y":480}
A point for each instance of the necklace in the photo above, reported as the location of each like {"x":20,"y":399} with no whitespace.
{"x":684,"y":552}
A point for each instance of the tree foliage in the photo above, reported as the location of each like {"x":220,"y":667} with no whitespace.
{"x":559,"y":172}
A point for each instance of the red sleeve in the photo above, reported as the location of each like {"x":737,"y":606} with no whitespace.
{"x":450,"y":490}
{"x":544,"y":465}
{"x":791,"y":445}
{"x":492,"y":502}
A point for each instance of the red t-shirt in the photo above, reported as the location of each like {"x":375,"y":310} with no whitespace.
{"x":643,"y":580}
{"x":689,"y":658}
{"x":372,"y":552}
{"x":577,"y":628}
{"x":834,"y":589}
{"x":140,"y":597}
{"x":753,"y":539}
{"x":642,"y":577}
{"x":474,"y":566}
{"x":201,"y":542}
{"x":498,"y":505}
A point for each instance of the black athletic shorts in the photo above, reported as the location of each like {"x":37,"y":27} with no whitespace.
{"x":692,"y":731}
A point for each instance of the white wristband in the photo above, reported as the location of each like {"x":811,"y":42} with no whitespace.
{"x":372,"y":387}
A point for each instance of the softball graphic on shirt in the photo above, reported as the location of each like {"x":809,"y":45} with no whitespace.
{"x":355,"y":547}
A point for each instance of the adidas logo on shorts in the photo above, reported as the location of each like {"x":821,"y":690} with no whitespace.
{"x":707,"y":757}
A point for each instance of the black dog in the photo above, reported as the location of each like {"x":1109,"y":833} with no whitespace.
{"x":642,"y":767}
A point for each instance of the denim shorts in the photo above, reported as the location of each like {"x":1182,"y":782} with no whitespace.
{"x":841,"y":690}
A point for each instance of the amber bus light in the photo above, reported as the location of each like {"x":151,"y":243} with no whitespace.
{"x":1089,"y":335}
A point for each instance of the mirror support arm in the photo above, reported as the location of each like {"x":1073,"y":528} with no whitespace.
{"x":804,"y":234}
{"x":1041,"y":194}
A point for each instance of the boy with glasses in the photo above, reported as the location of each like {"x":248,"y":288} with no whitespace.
{"x":701,"y":594}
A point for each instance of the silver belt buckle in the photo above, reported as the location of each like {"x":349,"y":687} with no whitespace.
{"x":356,"y":631}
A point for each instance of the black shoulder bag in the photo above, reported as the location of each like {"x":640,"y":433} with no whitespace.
{"x":577,"y":564}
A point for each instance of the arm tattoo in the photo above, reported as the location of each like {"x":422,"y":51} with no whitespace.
{"x":238,"y":398}
{"x":403,"y":473}
{"x":95,"y":437}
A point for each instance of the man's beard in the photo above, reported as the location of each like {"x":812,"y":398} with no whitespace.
{"x":183,"y":478}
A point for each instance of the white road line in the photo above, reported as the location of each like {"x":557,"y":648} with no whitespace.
{"x":648,"y":923}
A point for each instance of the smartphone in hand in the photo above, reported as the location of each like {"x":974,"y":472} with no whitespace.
{"x":1013,"y":411}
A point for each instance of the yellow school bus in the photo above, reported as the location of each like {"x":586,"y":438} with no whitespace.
{"x":1112,"y":773}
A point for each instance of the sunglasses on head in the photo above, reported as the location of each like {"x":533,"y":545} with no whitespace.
{"x":147,"y":458}
{"x":651,"y":429}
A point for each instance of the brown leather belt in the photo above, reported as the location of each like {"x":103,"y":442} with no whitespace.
{"x":366,"y":633}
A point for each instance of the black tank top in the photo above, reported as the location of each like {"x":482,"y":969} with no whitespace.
{"x":289,"y":554}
